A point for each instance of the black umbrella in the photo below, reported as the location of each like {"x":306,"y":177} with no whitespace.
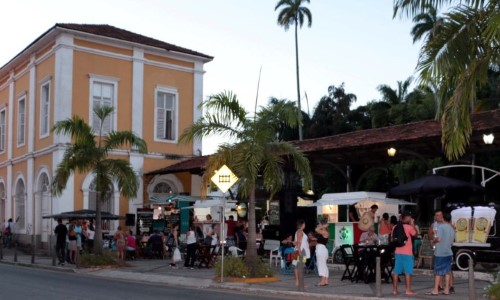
{"x":83,"y":214}
{"x":435,"y":184}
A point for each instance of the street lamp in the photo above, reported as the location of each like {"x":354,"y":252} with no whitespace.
{"x":391,"y":152}
{"x":488,"y":138}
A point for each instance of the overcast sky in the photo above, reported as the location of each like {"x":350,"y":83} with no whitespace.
{"x":356,"y":42}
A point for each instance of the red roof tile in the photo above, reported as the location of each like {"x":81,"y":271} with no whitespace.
{"x":122,"y":34}
{"x":369,"y":146}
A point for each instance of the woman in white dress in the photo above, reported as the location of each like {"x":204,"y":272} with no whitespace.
{"x":301,"y":245}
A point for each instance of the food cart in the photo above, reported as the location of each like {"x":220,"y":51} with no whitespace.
{"x":476,"y":235}
{"x":342,"y":231}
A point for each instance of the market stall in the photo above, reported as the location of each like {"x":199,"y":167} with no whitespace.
{"x":343,"y":231}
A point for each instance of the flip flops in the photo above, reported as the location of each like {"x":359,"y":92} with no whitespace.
{"x":432,"y":294}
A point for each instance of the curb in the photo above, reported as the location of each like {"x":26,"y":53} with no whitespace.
{"x":37,"y":266}
{"x":306,"y":295}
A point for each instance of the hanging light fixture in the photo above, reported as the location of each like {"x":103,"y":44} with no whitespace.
{"x":488,"y":138}
{"x":391,"y":152}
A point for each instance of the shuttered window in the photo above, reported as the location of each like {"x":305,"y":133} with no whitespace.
{"x":45,"y":110}
{"x":21,"y":121}
{"x":102,"y":95}
{"x":166,"y":116}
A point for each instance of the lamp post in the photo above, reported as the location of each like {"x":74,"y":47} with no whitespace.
{"x":223,"y":178}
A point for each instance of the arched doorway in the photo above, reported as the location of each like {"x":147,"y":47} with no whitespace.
{"x":20,"y":206}
{"x":107,"y":204}
{"x":43,"y":207}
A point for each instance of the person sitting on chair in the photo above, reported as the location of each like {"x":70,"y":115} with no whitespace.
{"x":369,"y":237}
{"x":287,"y":248}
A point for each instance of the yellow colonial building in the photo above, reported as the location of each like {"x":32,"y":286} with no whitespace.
{"x":155,"y":88}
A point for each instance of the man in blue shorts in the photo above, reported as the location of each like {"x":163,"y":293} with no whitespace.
{"x":404,"y":259}
{"x":443,"y":255}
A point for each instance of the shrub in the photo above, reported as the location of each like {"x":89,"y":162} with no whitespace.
{"x":493,"y":290}
{"x":107,"y":258}
{"x":236,"y":267}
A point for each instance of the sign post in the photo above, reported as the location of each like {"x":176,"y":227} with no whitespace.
{"x":224,"y":179}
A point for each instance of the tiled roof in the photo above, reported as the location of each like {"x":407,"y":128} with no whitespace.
{"x":430,"y":129}
{"x":195,"y":165}
{"x":369,"y":146}
{"x":122,"y":34}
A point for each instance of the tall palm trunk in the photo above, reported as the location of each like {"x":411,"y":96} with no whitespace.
{"x":298,"y":81}
{"x":98,"y":227}
{"x":251,"y":253}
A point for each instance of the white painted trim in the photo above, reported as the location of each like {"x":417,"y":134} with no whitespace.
{"x":197,"y":100}
{"x":30,"y":206}
{"x":10,"y":120}
{"x":63,"y":83}
{"x":42,"y":135}
{"x":169,"y":179}
{"x":103,"y":78}
{"x":31,"y":108}
{"x":169,"y":90}
{"x":106,"y":80}
{"x":138,"y":92}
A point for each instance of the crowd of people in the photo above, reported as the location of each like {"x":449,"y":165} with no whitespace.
{"x":78,"y":235}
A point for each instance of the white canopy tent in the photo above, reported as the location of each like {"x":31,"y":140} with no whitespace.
{"x":362,"y":201}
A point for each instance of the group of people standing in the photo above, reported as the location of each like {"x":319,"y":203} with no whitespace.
{"x":305,"y":246}
{"x":441,"y":236}
{"x":75,"y":236}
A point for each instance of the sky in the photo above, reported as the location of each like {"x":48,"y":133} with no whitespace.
{"x":355,"y":42}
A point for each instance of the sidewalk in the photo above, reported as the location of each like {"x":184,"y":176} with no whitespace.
{"x":159,"y":272}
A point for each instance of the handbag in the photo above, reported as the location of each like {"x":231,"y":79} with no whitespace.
{"x":177,"y":255}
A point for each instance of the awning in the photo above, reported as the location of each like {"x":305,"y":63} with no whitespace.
{"x":352,"y":198}
{"x":83,"y":214}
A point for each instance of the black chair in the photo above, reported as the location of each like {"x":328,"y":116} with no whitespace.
{"x":360,"y":262}
{"x":386,"y":261}
{"x":349,"y":262}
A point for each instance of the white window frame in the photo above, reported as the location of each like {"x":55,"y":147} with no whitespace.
{"x":175,"y":93}
{"x":21,"y":121}
{"x":45,"y":114}
{"x":3,"y":129}
{"x":97,"y":79}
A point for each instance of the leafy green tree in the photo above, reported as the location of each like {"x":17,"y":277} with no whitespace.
{"x":256,"y":153}
{"x":331,"y":114}
{"x":458,"y":57}
{"x":89,"y":153}
{"x":293,"y":12}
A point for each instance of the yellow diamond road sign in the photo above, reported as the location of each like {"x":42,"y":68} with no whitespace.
{"x":224,"y":178}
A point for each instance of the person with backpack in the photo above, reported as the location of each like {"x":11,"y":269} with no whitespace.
{"x":404,"y":259}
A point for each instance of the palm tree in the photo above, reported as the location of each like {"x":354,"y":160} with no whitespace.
{"x":458,"y":57}
{"x":426,"y":25}
{"x":393,"y":96}
{"x":89,"y":153}
{"x":294,"y":13}
{"x":257,"y":156}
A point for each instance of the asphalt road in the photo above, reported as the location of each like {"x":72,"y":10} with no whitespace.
{"x":28,"y":283}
